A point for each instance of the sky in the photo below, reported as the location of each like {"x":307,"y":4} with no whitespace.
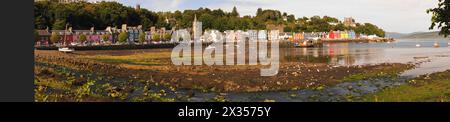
{"x":404,"y":16}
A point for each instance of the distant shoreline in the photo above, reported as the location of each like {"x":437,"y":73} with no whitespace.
{"x":416,"y":35}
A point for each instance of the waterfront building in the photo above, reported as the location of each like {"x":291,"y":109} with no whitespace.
{"x":44,"y":36}
{"x":337,"y":34}
{"x":285,"y":36}
{"x":273,"y":35}
{"x":298,"y":36}
{"x":345,"y":34}
{"x":323,"y":35}
{"x":160,"y":32}
{"x":148,"y":35}
{"x":352,"y":34}
{"x":132,"y":34}
{"x":331,"y":35}
{"x":372,"y":37}
{"x":262,"y":35}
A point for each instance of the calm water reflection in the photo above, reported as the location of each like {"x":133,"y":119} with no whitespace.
{"x":428,"y":58}
{"x":431,"y":59}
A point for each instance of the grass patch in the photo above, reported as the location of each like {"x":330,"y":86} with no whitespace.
{"x":428,"y":88}
{"x":364,"y":76}
{"x":437,"y":91}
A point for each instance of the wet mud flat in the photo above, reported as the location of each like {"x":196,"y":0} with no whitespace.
{"x":136,"y":80}
{"x":343,"y":92}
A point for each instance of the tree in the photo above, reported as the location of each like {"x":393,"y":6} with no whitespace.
{"x":441,"y":17}
{"x":123,"y":36}
{"x":368,"y":29}
{"x":340,"y":27}
{"x":234,"y":12}
{"x":59,"y":25}
{"x":141,"y":37}
{"x":167,"y":36}
{"x":85,"y":15}
{"x":40,"y":23}
{"x":259,"y":12}
{"x":156,"y":37}
{"x":54,"y":38}
{"x":105,"y":37}
{"x":207,"y":21}
{"x":82,"y":38}
{"x":291,"y":18}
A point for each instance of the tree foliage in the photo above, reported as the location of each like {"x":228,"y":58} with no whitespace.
{"x":156,"y":37}
{"x":141,"y":37}
{"x":369,"y":29}
{"x":441,"y":17}
{"x":167,"y":36}
{"x":85,"y":15}
{"x":105,"y":37}
{"x":59,"y":25}
{"x":123,"y":36}
{"x":82,"y":38}
{"x":54,"y":37}
{"x":234,"y":12}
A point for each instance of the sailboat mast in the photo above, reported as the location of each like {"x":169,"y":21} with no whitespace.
{"x":65,"y":36}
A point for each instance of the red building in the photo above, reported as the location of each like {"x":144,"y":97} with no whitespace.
{"x":331,"y":35}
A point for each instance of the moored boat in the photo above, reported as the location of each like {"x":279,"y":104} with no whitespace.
{"x":436,"y":44}
{"x":305,"y":43}
{"x":66,"y":49}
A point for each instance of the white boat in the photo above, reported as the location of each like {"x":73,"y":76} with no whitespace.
{"x":306,"y":43}
{"x":65,"y":49}
{"x":418,"y":45}
{"x":74,"y":43}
